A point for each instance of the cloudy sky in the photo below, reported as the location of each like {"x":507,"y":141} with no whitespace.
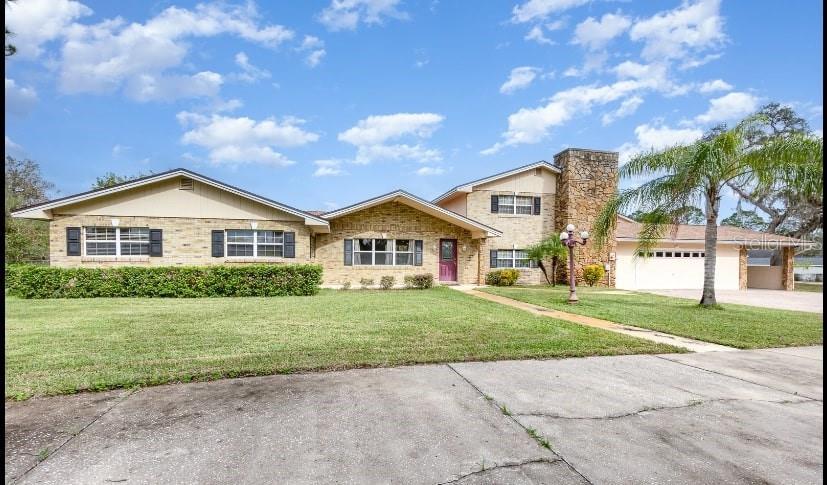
{"x":321,"y":104}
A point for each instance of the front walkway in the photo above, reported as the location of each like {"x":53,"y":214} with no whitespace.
{"x":714,"y":417}
{"x":646,"y":334}
{"x":785,"y":300}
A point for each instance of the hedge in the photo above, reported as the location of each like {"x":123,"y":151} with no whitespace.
{"x":163,"y":281}
{"x":502,"y":277}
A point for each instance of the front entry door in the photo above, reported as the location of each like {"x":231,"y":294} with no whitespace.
{"x":447,"y":260}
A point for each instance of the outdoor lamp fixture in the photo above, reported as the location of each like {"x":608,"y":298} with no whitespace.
{"x":567,"y":238}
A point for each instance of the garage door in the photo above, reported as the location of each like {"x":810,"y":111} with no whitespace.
{"x":672,"y":268}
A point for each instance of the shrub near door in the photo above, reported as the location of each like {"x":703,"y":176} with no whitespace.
{"x":169,"y":282}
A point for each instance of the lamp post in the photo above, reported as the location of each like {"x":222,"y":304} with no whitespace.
{"x":567,"y":237}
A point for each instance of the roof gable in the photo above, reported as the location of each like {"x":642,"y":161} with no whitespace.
{"x":468,"y":186}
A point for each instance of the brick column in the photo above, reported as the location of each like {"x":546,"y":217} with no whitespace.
{"x":787,"y":273}
{"x":588,"y":179}
{"x":742,"y":268}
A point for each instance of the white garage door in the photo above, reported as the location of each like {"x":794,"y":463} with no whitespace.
{"x":674,"y":268}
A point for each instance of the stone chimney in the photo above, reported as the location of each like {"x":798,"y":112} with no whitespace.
{"x":588,"y":179}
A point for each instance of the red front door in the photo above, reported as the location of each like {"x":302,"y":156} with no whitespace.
{"x":447,"y":260}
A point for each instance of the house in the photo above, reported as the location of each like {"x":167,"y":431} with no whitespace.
{"x":180,"y":217}
{"x":809,"y":268}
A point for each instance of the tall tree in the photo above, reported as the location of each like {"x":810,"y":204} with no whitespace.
{"x":10,"y":48}
{"x":788,"y":211}
{"x":690,"y":215}
{"x":550,"y":248}
{"x":111,"y":178}
{"x":696,"y":174}
{"x":25,"y":240}
{"x":747,"y":219}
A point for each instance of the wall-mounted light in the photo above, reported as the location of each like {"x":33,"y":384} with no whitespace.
{"x":115,"y":222}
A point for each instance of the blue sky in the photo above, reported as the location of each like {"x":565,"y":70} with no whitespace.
{"x":322,"y":104}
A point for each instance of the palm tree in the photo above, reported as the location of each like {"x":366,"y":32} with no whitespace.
{"x":693,"y":176}
{"x":549,"y":248}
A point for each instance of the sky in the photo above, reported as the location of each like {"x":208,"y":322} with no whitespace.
{"x":323,"y":104}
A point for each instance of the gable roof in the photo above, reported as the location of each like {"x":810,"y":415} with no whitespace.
{"x":420,"y":204}
{"x":468,"y":186}
{"x":38,"y":210}
{"x":628,"y":230}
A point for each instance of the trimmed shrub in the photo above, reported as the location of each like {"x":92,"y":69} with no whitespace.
{"x":387,"y":282}
{"x":346,"y":285}
{"x":366,"y":283}
{"x":593,"y":273}
{"x":164,"y":281}
{"x":419,"y":281}
{"x":502,"y":277}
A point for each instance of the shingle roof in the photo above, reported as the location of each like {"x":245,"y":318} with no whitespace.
{"x":629,"y":230}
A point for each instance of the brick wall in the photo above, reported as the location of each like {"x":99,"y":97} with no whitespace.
{"x":186,"y":241}
{"x":394,"y":220}
{"x":588,"y":180}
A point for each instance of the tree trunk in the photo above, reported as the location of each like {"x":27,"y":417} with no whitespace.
{"x":710,"y":248}
{"x":543,"y":269}
{"x":554,"y":272}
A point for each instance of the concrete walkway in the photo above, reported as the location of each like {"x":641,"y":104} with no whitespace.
{"x":802,"y":301}
{"x":714,"y":417}
{"x":652,"y":335}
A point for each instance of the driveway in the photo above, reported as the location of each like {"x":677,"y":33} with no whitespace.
{"x":716,"y":417}
{"x":802,"y":301}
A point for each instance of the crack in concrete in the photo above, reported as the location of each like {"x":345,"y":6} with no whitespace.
{"x":518,"y":423}
{"x":72,"y":436}
{"x":504,"y":465}
{"x":648,"y":409}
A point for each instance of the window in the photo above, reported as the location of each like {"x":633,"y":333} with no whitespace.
{"x":525,"y":204}
{"x":117,"y":241}
{"x":383,"y":252}
{"x":658,"y":254}
{"x":668,"y":254}
{"x":246,"y":243}
{"x":506,"y":205}
{"x":512,"y":258}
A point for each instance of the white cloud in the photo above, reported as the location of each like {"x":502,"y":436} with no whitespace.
{"x":626,"y":108}
{"x":716,"y":85}
{"x":819,"y":132}
{"x":327,"y":168}
{"x":681,"y":32}
{"x":657,"y":138}
{"x":244,"y":140}
{"x":314,"y":48}
{"x":536,"y":34}
{"x":540,"y":9}
{"x":20,"y":100}
{"x":595,"y":34}
{"x":556,"y":25}
{"x":520,"y":78}
{"x":594,"y":62}
{"x":249,"y":73}
{"x":36,"y":22}
{"x":732,"y":106}
{"x":118,"y":149}
{"x":425,"y":171}
{"x":104,"y":57}
{"x":371,"y":137}
{"x":347,"y":14}
{"x":12,"y":148}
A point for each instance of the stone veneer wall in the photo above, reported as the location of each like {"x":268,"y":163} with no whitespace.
{"x":186,"y":241}
{"x":788,"y":268}
{"x":519,"y":230}
{"x":394,"y":220}
{"x":588,"y":180}
{"x":743,"y":271}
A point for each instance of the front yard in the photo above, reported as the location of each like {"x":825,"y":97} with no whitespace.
{"x":739,"y":326}
{"x":65,"y":346}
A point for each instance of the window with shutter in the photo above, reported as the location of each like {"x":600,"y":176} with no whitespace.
{"x":218,"y":243}
{"x":72,"y":241}
{"x":156,"y":243}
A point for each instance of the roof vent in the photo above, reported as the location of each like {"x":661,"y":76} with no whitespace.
{"x":186,"y":184}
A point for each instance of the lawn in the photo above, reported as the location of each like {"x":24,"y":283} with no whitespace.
{"x":65,"y":346}
{"x":734,"y":325}
{"x":811,"y":287}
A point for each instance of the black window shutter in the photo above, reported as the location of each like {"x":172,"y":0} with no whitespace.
{"x":218,"y":243}
{"x":289,"y":244}
{"x":495,"y":204}
{"x":348,"y":252}
{"x":493,"y":258}
{"x":418,"y":252}
{"x":72,"y":241}
{"x":536,"y":206}
{"x":156,"y":242}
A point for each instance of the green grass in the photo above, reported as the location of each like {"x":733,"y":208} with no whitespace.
{"x":811,"y":287}
{"x":739,"y":326}
{"x":65,"y":346}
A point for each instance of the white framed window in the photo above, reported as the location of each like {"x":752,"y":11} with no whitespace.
{"x":660,"y":253}
{"x":513,"y":258}
{"x":116,"y":241}
{"x":249,"y":243}
{"x":383,"y":252}
{"x":506,"y":204}
{"x":525,"y":204}
{"x":515,"y":204}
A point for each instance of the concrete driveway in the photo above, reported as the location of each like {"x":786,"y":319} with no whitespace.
{"x":803,"y":301}
{"x":717,"y":417}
